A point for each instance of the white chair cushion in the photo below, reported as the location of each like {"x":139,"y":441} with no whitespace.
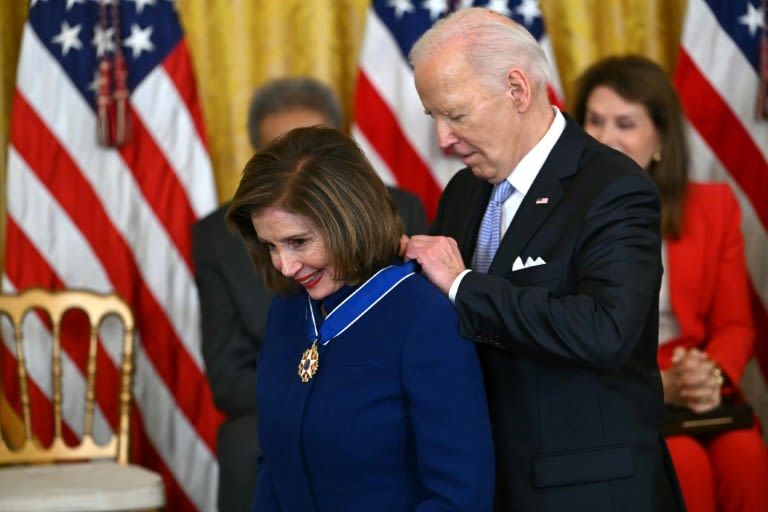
{"x":80,"y":487}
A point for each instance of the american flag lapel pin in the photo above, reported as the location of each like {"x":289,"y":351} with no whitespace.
{"x":542,"y":200}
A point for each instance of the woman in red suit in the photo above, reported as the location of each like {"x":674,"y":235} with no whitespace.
{"x":706,"y":332}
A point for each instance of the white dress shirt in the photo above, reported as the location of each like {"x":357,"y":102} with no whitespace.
{"x":521,"y":178}
{"x":669,"y":328}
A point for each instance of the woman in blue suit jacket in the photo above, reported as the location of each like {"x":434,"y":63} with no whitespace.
{"x":369,"y":399}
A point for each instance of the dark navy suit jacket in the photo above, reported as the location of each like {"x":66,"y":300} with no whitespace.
{"x":395,"y":420}
{"x":569,"y":348}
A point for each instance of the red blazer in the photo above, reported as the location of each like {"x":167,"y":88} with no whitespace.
{"x":708,"y":281}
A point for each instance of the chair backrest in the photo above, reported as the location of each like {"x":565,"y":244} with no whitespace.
{"x":55,"y":304}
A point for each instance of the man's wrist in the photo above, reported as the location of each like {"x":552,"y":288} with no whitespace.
{"x":455,"y":285}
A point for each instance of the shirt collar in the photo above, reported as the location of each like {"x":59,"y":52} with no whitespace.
{"x":528,"y":168}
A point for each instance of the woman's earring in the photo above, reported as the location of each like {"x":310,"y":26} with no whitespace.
{"x":657,"y":157}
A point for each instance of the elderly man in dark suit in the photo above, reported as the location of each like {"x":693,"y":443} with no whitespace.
{"x":233,"y":298}
{"x":548,"y":245}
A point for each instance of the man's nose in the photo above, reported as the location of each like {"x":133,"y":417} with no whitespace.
{"x":445,"y":136}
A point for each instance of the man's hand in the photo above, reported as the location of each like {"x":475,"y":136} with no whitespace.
{"x":439,"y":258}
{"x":403,"y":244}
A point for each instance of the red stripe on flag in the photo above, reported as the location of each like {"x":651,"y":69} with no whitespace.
{"x":73,"y":192}
{"x":381,"y":128}
{"x":160,"y":187}
{"x":65,"y":182}
{"x":724,"y":134}
{"x":74,"y":336}
{"x":178,"y":65}
{"x":25,"y":265}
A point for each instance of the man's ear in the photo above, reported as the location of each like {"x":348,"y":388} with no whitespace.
{"x":519,"y":89}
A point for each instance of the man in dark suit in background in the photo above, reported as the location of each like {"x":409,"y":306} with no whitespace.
{"x":564,"y":309}
{"x":234,"y":300}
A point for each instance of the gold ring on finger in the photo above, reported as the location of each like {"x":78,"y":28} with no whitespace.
{"x":718,"y":373}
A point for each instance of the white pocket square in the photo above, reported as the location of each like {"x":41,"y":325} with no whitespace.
{"x":530,"y":262}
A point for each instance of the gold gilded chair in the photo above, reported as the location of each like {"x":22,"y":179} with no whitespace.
{"x":61,"y":476}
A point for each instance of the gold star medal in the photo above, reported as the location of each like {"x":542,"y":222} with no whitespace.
{"x":310,"y":361}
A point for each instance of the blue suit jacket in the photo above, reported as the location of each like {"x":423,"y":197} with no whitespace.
{"x":394,"y":420}
{"x":569,"y":348}
{"x":234,"y":303}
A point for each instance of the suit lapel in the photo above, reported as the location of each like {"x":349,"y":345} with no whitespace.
{"x":527,"y":220}
{"x":560,"y":164}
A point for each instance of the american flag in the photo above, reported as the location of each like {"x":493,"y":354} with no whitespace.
{"x":118,"y":217}
{"x":718,"y":81}
{"x":389,"y":121}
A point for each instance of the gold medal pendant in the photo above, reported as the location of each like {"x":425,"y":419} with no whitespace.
{"x":310,"y":361}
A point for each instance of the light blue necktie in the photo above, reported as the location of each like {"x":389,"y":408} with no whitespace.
{"x":490,"y":230}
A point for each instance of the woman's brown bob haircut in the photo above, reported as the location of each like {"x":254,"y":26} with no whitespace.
{"x":322,"y":175}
